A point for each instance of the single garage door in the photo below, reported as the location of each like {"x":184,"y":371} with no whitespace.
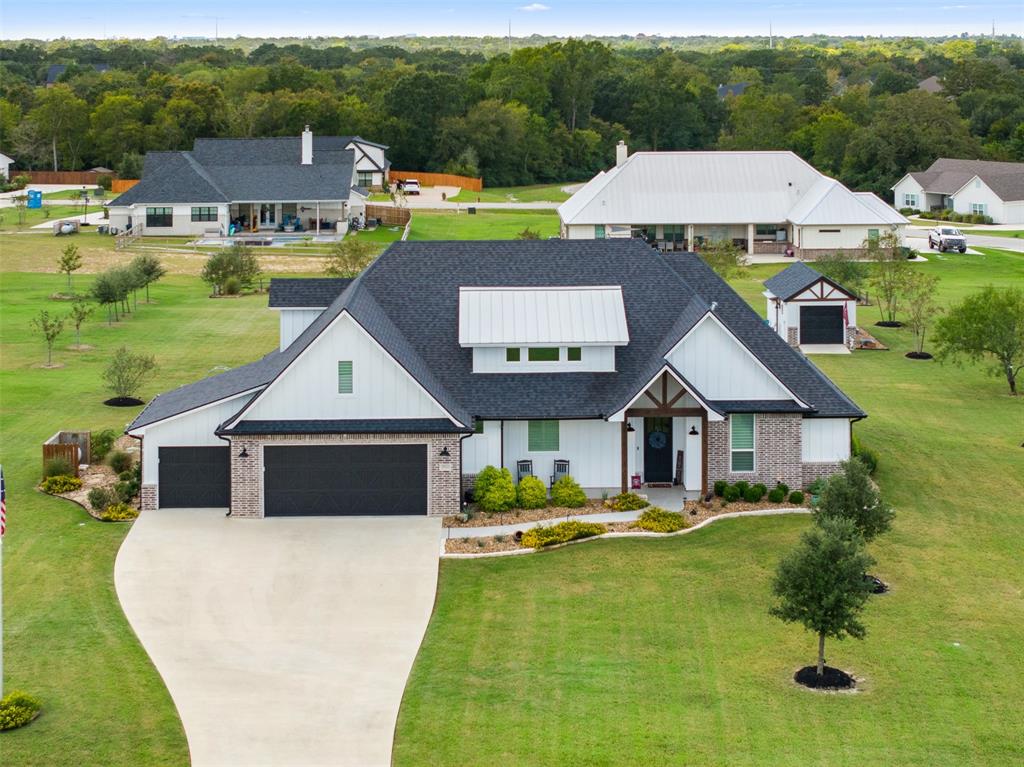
{"x":821,"y":325}
{"x":195,"y":477}
{"x":333,"y":480}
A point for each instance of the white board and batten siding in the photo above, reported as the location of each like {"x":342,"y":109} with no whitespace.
{"x":192,"y":429}
{"x":294,"y":321}
{"x":482,"y":449}
{"x":825,"y":440}
{"x":592,"y":448}
{"x":721,"y":368}
{"x":381,"y":388}
{"x":593,"y":359}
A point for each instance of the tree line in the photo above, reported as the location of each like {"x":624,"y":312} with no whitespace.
{"x":538,"y":113}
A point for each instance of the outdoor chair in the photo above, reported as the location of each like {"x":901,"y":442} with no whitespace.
{"x":523,"y":469}
{"x":561,"y":470}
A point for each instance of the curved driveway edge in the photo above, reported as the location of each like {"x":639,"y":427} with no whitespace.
{"x":281,"y":641}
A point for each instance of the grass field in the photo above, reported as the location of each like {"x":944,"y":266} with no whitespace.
{"x":536,"y":193}
{"x":662,"y":653}
{"x":484,"y":225}
{"x":47,"y":213}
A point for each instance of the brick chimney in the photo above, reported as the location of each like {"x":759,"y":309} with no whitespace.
{"x":307,"y":146}
{"x":621,"y":153}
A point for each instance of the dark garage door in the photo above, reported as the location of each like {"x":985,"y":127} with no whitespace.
{"x":821,"y":325}
{"x":195,"y":477}
{"x":353,"y":480}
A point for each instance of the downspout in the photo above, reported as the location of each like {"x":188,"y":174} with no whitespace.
{"x":231,"y":484}
{"x":462,"y":493}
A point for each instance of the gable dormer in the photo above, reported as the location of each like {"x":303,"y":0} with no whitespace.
{"x":542,"y":329}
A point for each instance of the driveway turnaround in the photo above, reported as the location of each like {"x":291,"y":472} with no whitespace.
{"x":282,"y":641}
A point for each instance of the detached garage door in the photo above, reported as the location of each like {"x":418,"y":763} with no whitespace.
{"x":821,"y":325}
{"x":195,"y":477}
{"x":344,"y":480}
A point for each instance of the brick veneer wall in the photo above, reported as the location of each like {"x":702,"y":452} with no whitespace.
{"x":443,"y":478}
{"x":777,"y":451}
{"x":793,"y":336}
{"x":147,"y":497}
{"x":851,"y":336}
{"x":813,"y":471}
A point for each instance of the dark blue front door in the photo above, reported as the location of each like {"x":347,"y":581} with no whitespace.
{"x":658,"y":449}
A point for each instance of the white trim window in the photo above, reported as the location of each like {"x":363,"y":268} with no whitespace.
{"x":909,"y":200}
{"x":979,"y":208}
{"x":741,"y":443}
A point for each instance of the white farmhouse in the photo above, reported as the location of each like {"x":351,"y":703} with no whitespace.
{"x":764,"y":202}
{"x":5,"y":166}
{"x":980,"y":187}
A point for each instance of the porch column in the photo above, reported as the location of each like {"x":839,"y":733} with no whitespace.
{"x":689,"y":236}
{"x":318,"y":218}
{"x":704,"y":454}
{"x":750,"y":239}
{"x":625,"y":454}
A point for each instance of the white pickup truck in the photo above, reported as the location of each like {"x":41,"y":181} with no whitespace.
{"x":947,"y":238}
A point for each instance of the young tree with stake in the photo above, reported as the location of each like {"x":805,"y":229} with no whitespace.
{"x":51,"y":327}
{"x":889,"y":275}
{"x":919,"y":300}
{"x":80,"y":312}
{"x":126,"y":371}
{"x":149,"y":269}
{"x":69,"y":261}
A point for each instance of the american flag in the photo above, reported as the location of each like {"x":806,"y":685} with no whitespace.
{"x":3,"y":503}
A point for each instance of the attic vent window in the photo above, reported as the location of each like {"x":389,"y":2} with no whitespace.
{"x":344,"y":376}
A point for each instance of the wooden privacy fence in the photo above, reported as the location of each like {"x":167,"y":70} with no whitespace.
{"x":86,"y":177}
{"x":72,"y":446}
{"x":389,"y":215}
{"x":439,"y":179}
{"x":120,"y":185}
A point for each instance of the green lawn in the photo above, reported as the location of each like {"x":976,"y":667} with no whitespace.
{"x":1012,"y":233}
{"x":662,"y":653}
{"x":484,"y":225}
{"x":535,"y":193}
{"x":9,"y":216}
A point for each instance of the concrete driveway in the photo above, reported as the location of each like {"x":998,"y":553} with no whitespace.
{"x":282,"y":641}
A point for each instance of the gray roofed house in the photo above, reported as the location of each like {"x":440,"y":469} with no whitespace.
{"x":257,"y":186}
{"x":982,"y":187}
{"x":54,"y":72}
{"x":393,"y":372}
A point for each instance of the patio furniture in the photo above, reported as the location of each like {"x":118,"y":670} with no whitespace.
{"x":561,"y":470}
{"x":523,"y":469}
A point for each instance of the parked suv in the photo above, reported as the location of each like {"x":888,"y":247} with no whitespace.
{"x":411,"y":186}
{"x":947,"y":238}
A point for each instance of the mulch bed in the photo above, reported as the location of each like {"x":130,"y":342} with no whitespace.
{"x":889,"y":324}
{"x":864,"y":340}
{"x":123,"y":402}
{"x":101,"y":475}
{"x":918,"y":355}
{"x":515,"y":516}
{"x":832,"y":679}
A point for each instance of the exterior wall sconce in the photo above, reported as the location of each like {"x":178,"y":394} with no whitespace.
{"x":244,"y":453}
{"x":630,"y":428}
{"x":693,"y":431}
{"x":445,"y":453}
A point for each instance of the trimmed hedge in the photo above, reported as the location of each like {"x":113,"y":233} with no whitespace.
{"x":731,"y":494}
{"x":531,"y":494}
{"x":60,"y":484}
{"x":500,"y":495}
{"x":783,"y":487}
{"x":568,"y":493}
{"x":17,"y":709}
{"x":118,"y":512}
{"x":483,"y":481}
{"x":776,"y":495}
{"x":563,"y":532}
{"x":656,"y":520}
{"x":720,"y":485}
{"x":796,"y":498}
{"x":627,"y":502}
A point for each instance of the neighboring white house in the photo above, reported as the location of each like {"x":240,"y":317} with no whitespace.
{"x":225,"y":187}
{"x":983,"y":187}
{"x":5,"y":166}
{"x":805,"y":307}
{"x":765,"y":202}
{"x":389,"y":393}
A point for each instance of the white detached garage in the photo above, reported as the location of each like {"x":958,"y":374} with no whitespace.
{"x":807,"y":308}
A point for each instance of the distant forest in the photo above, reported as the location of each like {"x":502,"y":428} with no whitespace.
{"x":527,"y":110}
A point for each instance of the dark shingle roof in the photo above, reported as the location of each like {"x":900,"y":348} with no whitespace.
{"x":758,"y":406}
{"x":54,"y":71}
{"x":309,"y":293}
{"x":408,"y":301}
{"x":948,"y":176}
{"x":372,"y":425}
{"x":796,"y":278}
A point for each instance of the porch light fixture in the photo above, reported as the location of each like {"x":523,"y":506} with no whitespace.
{"x":244,"y":453}
{"x":693,"y":431}
{"x":630,"y":428}
{"x":445,"y":453}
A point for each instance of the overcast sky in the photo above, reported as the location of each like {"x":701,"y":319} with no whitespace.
{"x":260,"y":18}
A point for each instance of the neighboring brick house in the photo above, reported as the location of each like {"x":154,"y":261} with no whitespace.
{"x":390,"y":392}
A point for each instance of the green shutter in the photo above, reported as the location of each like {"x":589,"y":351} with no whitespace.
{"x":742,"y":432}
{"x":543,"y":436}
{"x":344,"y":376}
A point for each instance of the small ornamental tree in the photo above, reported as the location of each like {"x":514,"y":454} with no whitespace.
{"x":149,"y":269}
{"x":349,"y":257}
{"x":889,"y":273}
{"x":821,"y":584}
{"x":126,"y":371}
{"x":69,"y":261}
{"x":236,"y":261}
{"x":919,"y":300}
{"x":986,"y":326}
{"x":105,"y":291}
{"x":725,"y":258}
{"x":80,"y":312}
{"x":852,"y":495}
{"x":51,"y":327}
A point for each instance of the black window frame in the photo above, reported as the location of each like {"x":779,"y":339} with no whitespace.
{"x":204,"y":213}
{"x":163,"y":218}
{"x":364,"y":178}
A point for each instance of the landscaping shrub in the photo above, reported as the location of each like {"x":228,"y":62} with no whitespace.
{"x":783,"y":487}
{"x":627,"y":502}
{"x":568,"y":493}
{"x":118,"y":512}
{"x":100,"y":498}
{"x":126,"y":491}
{"x":483,"y":481}
{"x":58,"y":467}
{"x":539,"y":537}
{"x":742,"y":486}
{"x":531,"y":494}
{"x":657,"y":520}
{"x":777,"y":495}
{"x":816,"y":486}
{"x":500,"y":495}
{"x":753,"y":494}
{"x":17,"y":709}
{"x":126,"y":476}
{"x":60,"y":483}
{"x":101,"y":442}
{"x":720,"y":485}
{"x":731,"y":494}
{"x":120,"y":461}
{"x":232,"y":286}
{"x":761,"y":488}
{"x":866,"y":454}
{"x":796,"y":498}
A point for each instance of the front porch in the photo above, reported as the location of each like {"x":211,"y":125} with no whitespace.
{"x":774,"y":238}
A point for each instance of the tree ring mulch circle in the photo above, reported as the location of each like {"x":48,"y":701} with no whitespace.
{"x":123,"y":402}
{"x":878,"y":586}
{"x":889,"y":324}
{"x":918,"y":355}
{"x":832,"y":679}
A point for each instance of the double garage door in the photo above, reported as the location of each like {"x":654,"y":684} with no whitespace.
{"x":304,"y":480}
{"x":822,"y":325}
